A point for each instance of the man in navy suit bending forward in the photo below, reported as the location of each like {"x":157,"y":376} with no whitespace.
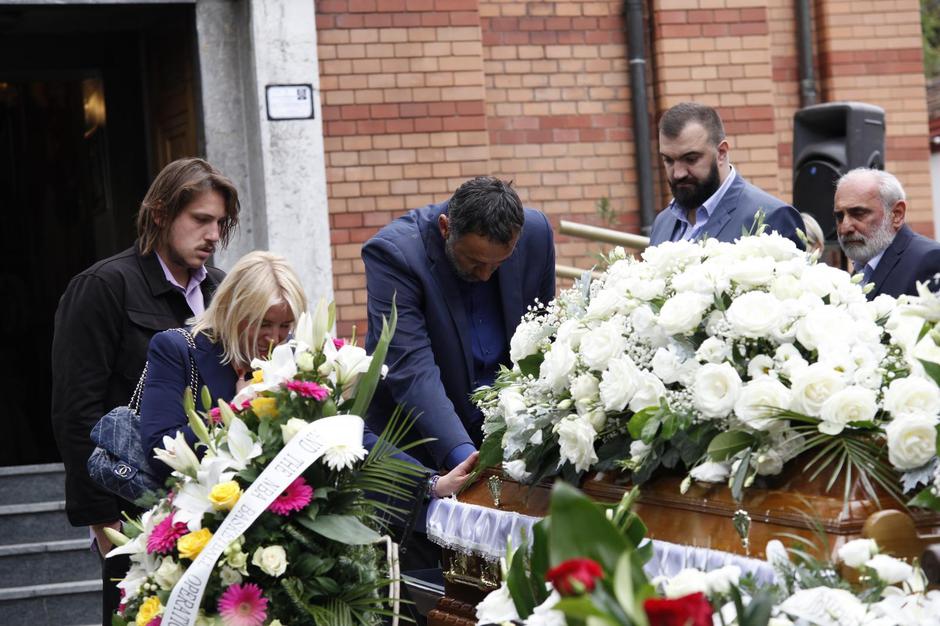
{"x":710,"y":197}
{"x":462,"y":274}
{"x":869,"y":209}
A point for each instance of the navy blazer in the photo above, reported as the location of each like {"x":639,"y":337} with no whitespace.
{"x":911,"y":258}
{"x":161,"y":408}
{"x":735,"y":214}
{"x":430,"y":358}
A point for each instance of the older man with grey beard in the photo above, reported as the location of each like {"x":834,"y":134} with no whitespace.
{"x":869,"y":209}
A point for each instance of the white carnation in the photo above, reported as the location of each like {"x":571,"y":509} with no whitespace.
{"x":911,"y":440}
{"x":584,"y":391}
{"x":852,"y":404}
{"x":716,"y":389}
{"x":516,"y":470}
{"x":682,"y":313}
{"x":525,"y":341}
{"x":619,"y":383}
{"x":759,"y":400}
{"x":754,"y":314}
{"x":576,"y":442}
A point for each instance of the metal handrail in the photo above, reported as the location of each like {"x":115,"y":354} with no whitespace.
{"x":596,"y":233}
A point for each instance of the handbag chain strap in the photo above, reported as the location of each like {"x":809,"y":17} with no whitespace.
{"x":134,"y":404}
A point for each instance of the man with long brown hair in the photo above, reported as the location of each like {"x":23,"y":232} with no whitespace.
{"x":107,"y":316}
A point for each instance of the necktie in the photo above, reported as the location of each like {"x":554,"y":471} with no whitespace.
{"x":867,"y":271}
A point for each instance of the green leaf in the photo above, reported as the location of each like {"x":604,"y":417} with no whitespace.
{"x":650,"y":428}
{"x":637,"y":423}
{"x":342,"y":528}
{"x":531,"y":364}
{"x":579,"y":528}
{"x":518,"y":583}
{"x":726,"y":445}
{"x":926,"y":500}
{"x":623,"y":584}
{"x":932,"y":369}
{"x":737,"y":484}
{"x":579,"y":607}
{"x":491,"y":454}
{"x":538,"y":560}
{"x":370,"y":379}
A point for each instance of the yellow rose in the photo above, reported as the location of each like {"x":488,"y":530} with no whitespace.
{"x":191,"y":544}
{"x":264,"y":407}
{"x":224,"y":495}
{"x":149,"y":610}
{"x":257,"y":376}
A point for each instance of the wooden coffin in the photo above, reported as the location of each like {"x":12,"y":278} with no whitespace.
{"x":788,"y":504}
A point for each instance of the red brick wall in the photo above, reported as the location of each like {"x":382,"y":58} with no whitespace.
{"x":419,"y":95}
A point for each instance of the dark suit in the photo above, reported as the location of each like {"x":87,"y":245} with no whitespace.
{"x":735,"y":213}
{"x":911,"y":258}
{"x":430,"y":358}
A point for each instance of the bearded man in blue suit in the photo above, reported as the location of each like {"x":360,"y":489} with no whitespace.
{"x":710,"y":197}
{"x":461,"y":273}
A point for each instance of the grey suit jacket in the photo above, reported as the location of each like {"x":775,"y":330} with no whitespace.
{"x":736,"y":214}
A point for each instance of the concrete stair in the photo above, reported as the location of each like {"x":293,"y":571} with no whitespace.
{"x":48,"y":573}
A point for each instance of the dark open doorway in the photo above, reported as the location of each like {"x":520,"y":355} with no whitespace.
{"x":93,"y":101}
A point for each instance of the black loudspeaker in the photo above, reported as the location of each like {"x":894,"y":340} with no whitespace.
{"x":829,"y":140}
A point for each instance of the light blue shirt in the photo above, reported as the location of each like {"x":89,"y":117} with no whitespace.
{"x":191,"y":291}
{"x":869,"y":268}
{"x":688,"y":231}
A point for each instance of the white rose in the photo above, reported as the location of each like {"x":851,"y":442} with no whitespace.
{"x":889,"y":569}
{"x":647,"y":289}
{"x":786,"y":287}
{"x":713,"y":350}
{"x":649,"y":391}
{"x":770,"y":244}
{"x":754,"y":314}
{"x":570,"y":333}
{"x":852,"y":404}
{"x":758,"y":401}
{"x":911,"y":440}
{"x":711,"y":472}
{"x":511,"y":403}
{"x":687,"y":581}
{"x":604,"y":304}
{"x":576,"y":442}
{"x":618,"y":383}
{"x":716,"y":389}
{"x":272,"y":560}
{"x":825,"y":325}
{"x":230,"y":576}
{"x":304,"y":361}
{"x":671,"y":256}
{"x":643,"y":321}
{"x":857,"y":552}
{"x":291,"y":428}
{"x":812,"y":386}
{"x":168,"y":574}
{"x":557,"y":365}
{"x":525,"y":341}
{"x":666,"y":364}
{"x":516,"y":470}
{"x":912,"y":395}
{"x":584,"y":392}
{"x":789,"y":361}
{"x":682,"y":313}
{"x":755,"y":272}
{"x":602,"y":344}
{"x":721,"y":580}
{"x":497,"y":607}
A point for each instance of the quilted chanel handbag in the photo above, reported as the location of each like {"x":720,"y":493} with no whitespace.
{"x":119,"y":463}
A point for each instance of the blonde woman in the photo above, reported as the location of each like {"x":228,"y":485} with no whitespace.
{"x":253,"y":310}
{"x":815,"y":240}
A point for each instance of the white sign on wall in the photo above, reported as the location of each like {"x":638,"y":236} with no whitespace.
{"x":289,"y":102}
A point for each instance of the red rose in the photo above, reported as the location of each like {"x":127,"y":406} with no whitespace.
{"x":691,"y":610}
{"x":574,"y":576}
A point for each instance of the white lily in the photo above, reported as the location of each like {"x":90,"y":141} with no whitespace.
{"x":345,"y":365}
{"x":279,"y":369}
{"x":192,"y":500}
{"x":240,"y":446}
{"x":177,"y":454}
{"x":311,"y":331}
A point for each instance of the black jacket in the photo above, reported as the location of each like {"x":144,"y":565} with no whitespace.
{"x":103,"y":327}
{"x":910,"y":259}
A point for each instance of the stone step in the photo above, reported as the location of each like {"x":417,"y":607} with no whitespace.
{"x":65,"y":604}
{"x":21,"y":484}
{"x":27,"y":564}
{"x":36,"y":522}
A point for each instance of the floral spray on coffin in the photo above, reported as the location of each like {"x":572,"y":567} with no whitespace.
{"x":277,"y":521}
{"x":721,"y":377}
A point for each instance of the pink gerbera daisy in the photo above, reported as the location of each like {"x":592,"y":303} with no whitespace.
{"x":309,"y":389}
{"x":297,"y":495}
{"x":163,"y":538}
{"x":243,"y":605}
{"x":157,"y":621}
